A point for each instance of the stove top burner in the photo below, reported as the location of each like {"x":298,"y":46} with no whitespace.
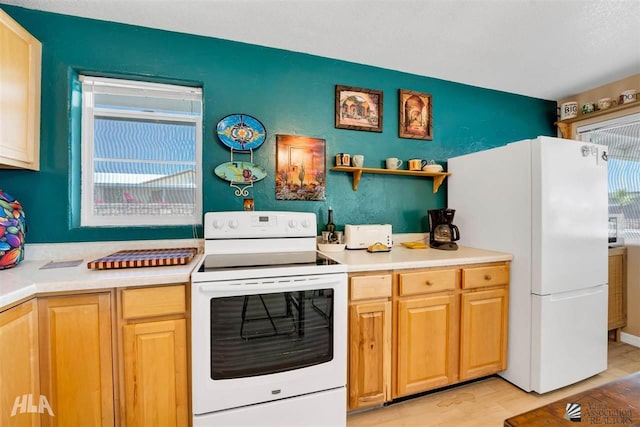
{"x":219,"y":262}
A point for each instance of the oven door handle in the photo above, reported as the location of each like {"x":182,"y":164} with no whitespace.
{"x":268,"y":286}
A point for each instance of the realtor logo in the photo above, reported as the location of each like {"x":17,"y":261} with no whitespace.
{"x":24,"y":404}
{"x":573,"y":412}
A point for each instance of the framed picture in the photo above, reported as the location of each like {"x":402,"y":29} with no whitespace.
{"x":300,"y":168}
{"x":415,"y":115}
{"x":358,"y":109}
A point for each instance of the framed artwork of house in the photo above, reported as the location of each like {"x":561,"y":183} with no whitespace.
{"x":358,"y":108}
{"x":300,"y":168}
{"x":415,"y":119}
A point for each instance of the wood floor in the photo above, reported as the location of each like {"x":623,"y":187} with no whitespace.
{"x":487,"y":402}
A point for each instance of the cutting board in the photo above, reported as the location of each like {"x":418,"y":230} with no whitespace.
{"x":143,"y":258}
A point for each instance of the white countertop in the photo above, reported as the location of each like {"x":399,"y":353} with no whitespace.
{"x":400,"y":258}
{"x":28,"y":279}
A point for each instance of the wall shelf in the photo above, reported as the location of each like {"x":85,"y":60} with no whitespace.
{"x":438,"y":177}
{"x":565,"y":125}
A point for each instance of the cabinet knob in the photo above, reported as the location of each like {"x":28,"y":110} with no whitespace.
{"x":429,"y":283}
{"x":487,"y":277}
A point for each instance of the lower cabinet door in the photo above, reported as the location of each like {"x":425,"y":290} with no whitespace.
{"x":427,"y":344}
{"x":369,"y":354}
{"x":76,"y":370}
{"x":19,"y":384}
{"x":155,"y":373}
{"x":617,"y":289}
{"x":483,"y":333}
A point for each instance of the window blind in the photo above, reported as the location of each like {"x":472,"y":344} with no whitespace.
{"x":141,"y":145}
{"x":622,"y":137}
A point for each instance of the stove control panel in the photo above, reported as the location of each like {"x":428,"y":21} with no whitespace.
{"x":257,"y":224}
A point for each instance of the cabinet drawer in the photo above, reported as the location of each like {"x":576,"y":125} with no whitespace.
{"x":428,"y":281}
{"x":478,"y":277}
{"x":154,"y":301}
{"x":367,"y":287}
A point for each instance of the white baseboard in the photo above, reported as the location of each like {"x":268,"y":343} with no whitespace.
{"x":630,"y":339}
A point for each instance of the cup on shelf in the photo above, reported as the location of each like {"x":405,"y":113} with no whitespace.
{"x":604,"y":103}
{"x":588,"y":108}
{"x":393,"y":163}
{"x":416,"y":164}
{"x":343,"y":159}
{"x":628,"y":96}
{"x":568,"y":110}
{"x":357,"y":160}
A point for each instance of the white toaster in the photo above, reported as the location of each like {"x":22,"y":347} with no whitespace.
{"x":362,"y":236}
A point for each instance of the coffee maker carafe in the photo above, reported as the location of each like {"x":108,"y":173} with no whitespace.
{"x":442,"y":233}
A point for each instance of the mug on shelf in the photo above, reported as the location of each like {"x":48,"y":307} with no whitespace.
{"x":628,"y":96}
{"x":416,"y":164}
{"x":588,"y":108}
{"x":357,"y":160}
{"x":393,"y":163}
{"x":343,"y":159}
{"x":568,"y":110}
{"x":604,"y":103}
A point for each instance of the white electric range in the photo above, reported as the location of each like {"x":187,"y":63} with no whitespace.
{"x":269,"y":324}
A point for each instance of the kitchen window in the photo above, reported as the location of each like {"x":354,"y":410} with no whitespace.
{"x":622,"y":136}
{"x":141,"y":150}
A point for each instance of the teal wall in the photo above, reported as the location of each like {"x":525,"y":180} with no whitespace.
{"x":291,"y":93}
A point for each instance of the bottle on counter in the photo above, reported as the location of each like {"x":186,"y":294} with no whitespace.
{"x":330,"y":226}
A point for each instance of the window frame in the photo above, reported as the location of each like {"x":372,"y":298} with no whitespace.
{"x":92,"y":85}
{"x":584,"y":132}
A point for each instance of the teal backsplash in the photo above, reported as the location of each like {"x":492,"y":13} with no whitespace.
{"x":290,"y":93}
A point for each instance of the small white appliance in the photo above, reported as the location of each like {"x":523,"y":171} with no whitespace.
{"x":616,"y":230}
{"x":545,"y":201}
{"x":268,"y":326}
{"x":363,"y":236}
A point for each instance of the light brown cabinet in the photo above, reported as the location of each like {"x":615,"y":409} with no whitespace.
{"x":20,"y":68}
{"x":426,"y":309}
{"x":483,"y":320}
{"x":153,"y":359}
{"x":483,"y":333}
{"x":427,"y":347}
{"x":451,"y":326}
{"x":617,"y":290}
{"x":117,"y":357}
{"x":76,"y":364}
{"x":19,"y":370}
{"x":369,"y":352}
{"x":447,"y":325}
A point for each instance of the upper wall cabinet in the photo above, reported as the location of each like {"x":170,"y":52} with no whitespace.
{"x":20,"y":58}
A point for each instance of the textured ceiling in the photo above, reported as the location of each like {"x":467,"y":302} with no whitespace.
{"x":547,"y":49}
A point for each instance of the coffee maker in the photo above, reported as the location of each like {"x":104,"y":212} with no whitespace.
{"x":442,"y":233}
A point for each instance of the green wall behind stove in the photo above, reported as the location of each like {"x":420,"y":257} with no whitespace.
{"x":291,"y":93}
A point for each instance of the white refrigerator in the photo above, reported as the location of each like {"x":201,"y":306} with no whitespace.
{"x":545,"y":201}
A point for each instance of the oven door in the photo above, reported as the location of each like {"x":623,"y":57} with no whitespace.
{"x":258,"y":340}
